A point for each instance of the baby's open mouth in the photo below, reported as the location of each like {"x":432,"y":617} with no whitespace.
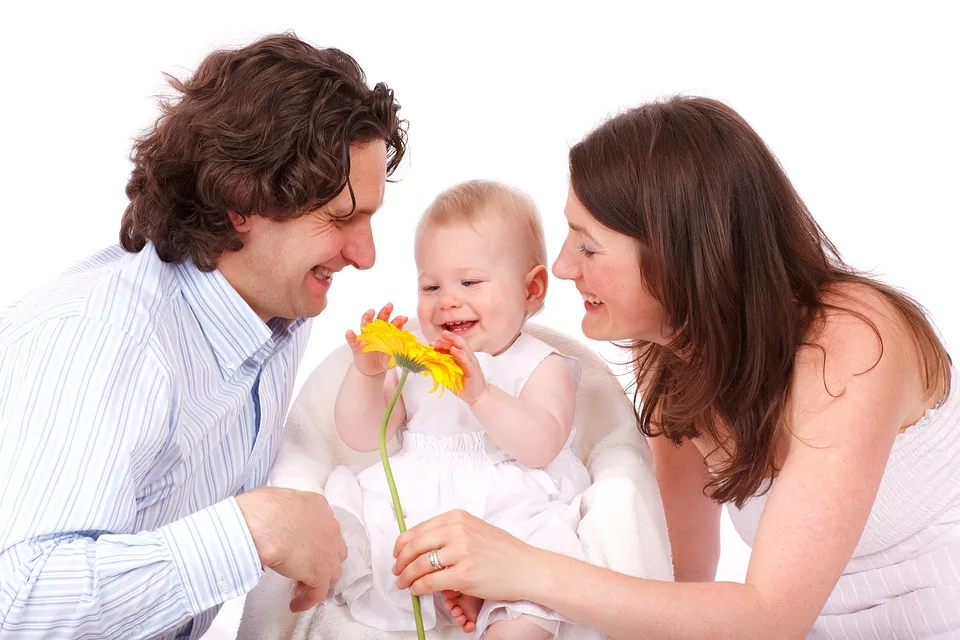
{"x":460,"y":326}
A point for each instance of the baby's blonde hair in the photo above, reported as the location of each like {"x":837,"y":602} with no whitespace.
{"x":471,"y":201}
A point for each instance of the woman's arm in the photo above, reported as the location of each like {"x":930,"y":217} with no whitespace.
{"x":812,"y":522}
{"x":693,"y":519}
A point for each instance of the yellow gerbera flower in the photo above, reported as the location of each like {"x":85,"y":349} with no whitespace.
{"x":412,"y":356}
{"x":409,"y":353}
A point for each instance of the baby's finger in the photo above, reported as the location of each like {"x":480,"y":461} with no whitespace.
{"x":366,"y":318}
{"x":457,"y":340}
{"x":466,"y":359}
{"x":385,"y":312}
{"x":441,"y":345}
{"x":399,"y":321}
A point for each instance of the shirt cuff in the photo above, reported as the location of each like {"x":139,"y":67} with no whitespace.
{"x":215,"y":555}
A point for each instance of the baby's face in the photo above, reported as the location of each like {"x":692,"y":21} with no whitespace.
{"x":472,"y":281}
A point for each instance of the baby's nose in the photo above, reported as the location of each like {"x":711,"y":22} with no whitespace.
{"x":449,"y":302}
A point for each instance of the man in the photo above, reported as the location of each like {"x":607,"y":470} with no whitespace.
{"x":142,"y":394}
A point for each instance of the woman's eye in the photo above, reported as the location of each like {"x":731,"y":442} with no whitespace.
{"x":585,"y":251}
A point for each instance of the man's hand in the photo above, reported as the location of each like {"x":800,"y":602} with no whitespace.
{"x":297,"y":536}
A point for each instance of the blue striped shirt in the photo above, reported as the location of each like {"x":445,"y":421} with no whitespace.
{"x":137,"y":399}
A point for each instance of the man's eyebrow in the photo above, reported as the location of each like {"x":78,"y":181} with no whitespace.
{"x":346,"y":212}
{"x":367,"y":211}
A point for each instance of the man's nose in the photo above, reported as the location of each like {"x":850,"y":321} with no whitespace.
{"x":359,"y":249}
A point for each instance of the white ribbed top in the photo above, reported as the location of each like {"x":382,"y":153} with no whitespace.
{"x":904,"y":577}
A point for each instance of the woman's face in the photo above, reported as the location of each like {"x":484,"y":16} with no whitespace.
{"x":605,"y":267}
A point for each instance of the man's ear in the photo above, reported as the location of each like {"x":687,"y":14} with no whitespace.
{"x":536,"y":287}
{"x":240,"y":222}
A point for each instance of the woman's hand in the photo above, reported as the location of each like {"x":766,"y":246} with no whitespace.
{"x":474,"y":383}
{"x":478,"y":559}
{"x":373,"y":363}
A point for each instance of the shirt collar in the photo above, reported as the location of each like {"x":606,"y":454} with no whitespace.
{"x":235,"y":332}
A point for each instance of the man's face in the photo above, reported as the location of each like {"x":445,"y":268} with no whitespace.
{"x":285,"y":268}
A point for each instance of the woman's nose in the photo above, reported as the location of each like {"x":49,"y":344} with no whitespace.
{"x":563,"y":268}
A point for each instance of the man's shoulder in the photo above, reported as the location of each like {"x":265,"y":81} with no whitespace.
{"x":126,"y":292}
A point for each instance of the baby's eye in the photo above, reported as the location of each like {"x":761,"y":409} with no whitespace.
{"x":469,"y":283}
{"x":585,"y":251}
{"x":430,"y":288}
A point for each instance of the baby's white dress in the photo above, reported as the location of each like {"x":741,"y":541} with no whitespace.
{"x":447,"y":461}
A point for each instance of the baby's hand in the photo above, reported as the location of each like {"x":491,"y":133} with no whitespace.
{"x":474,"y":384}
{"x":374,"y":363}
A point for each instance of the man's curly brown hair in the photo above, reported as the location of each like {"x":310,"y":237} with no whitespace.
{"x":261,"y":130}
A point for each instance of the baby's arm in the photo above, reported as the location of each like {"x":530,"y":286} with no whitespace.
{"x":361,"y":403}
{"x":531,"y":428}
{"x":534,"y":427}
{"x":365,"y":392}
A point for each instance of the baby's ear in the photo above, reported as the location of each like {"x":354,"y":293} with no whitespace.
{"x":536,"y":288}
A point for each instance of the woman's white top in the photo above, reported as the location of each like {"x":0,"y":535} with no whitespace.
{"x":903,"y":580}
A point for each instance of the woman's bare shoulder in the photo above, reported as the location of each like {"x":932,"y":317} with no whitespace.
{"x":861,"y":342}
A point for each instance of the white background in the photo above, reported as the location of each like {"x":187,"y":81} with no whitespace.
{"x":858,"y":102}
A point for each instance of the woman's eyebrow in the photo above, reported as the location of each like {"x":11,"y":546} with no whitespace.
{"x":580,"y":229}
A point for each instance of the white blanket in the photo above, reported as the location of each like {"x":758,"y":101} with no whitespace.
{"x":623,"y":526}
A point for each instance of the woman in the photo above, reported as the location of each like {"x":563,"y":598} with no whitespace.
{"x":775,"y":378}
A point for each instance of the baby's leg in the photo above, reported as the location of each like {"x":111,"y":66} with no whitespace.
{"x":464,"y":609}
{"x":522,"y":628}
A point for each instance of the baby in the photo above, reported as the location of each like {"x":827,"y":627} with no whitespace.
{"x":500,"y":450}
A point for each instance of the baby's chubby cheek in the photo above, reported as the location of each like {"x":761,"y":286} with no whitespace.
{"x":430,"y":333}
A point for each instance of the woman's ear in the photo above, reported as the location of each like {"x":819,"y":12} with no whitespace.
{"x":536,"y":282}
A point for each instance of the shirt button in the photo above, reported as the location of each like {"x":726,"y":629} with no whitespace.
{"x":138,"y":631}
{"x":225,"y":584}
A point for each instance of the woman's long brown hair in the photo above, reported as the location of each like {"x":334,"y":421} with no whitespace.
{"x":740,"y":267}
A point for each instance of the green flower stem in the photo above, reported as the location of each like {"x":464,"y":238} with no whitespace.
{"x":421,"y":634}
